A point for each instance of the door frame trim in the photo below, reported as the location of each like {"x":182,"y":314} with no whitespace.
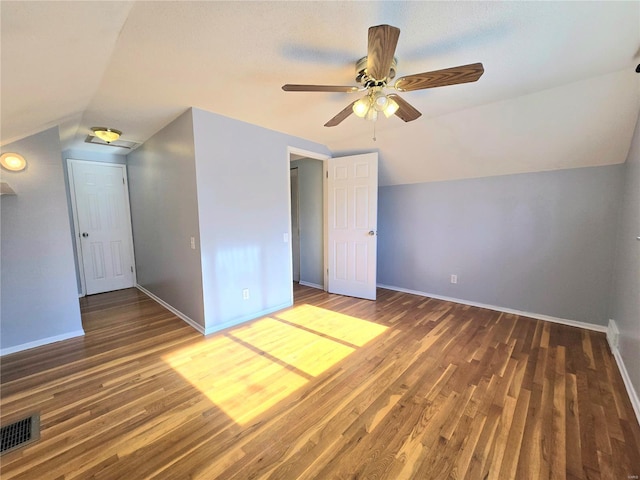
{"x":315,"y":156}
{"x":76,"y":229}
{"x":294,"y":234}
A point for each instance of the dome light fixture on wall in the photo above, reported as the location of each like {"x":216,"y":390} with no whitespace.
{"x":13,"y":161}
{"x":106,"y":134}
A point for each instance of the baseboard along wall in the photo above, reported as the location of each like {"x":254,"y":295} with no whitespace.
{"x":612,"y":338}
{"x":41,"y":342}
{"x":213,"y":328}
{"x":537,"y":316}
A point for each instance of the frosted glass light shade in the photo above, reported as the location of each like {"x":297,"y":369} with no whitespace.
{"x":361,"y":107}
{"x":372,"y":115}
{"x":106,"y":134}
{"x":380,"y":102}
{"x":391,"y":107}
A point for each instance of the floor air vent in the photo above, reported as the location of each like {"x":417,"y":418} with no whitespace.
{"x":20,"y":433}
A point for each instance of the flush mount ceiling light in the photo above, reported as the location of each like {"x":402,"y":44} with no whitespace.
{"x":106,"y":134}
{"x":13,"y":161}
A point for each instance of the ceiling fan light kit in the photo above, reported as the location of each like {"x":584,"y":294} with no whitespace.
{"x":369,"y":106}
{"x":106,"y":134}
{"x":375,"y":72}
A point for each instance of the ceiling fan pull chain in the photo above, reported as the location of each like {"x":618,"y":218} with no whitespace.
{"x":374,"y":131}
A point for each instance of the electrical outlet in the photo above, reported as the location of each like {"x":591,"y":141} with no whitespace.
{"x":245,"y":294}
{"x":454,"y":278}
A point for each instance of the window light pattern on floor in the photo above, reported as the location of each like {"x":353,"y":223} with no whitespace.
{"x":249,"y":369}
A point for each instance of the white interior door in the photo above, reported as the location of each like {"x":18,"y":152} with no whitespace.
{"x":101,"y":206}
{"x":352,"y":185}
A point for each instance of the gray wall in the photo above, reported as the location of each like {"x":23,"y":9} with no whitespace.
{"x":243,"y":197}
{"x":625,"y":305}
{"x":91,"y":157}
{"x":539,"y":243}
{"x":311,"y":220}
{"x":164,"y":215}
{"x":39,"y":295}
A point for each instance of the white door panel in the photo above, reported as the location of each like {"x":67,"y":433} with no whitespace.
{"x":104,"y":228}
{"x":352,"y":221}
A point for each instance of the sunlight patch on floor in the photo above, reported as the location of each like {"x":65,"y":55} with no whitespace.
{"x":299,"y":348}
{"x":252,"y":367}
{"x":338,"y":325}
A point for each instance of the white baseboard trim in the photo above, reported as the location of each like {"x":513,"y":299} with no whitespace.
{"x":612,"y":338}
{"x":312,"y":285}
{"x":213,"y":328}
{"x":173,"y":310}
{"x":246,"y":318}
{"x":41,"y":342}
{"x":613,"y":335}
{"x":633,"y":395}
{"x":537,"y":316}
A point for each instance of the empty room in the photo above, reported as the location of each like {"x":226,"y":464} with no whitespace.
{"x":320,"y":240}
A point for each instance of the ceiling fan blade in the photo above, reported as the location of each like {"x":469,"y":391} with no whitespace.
{"x":440,"y":78}
{"x":318,"y":88}
{"x":405,"y":111}
{"x":382,"y":46}
{"x":348,"y":110}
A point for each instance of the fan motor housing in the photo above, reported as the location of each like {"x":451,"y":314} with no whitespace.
{"x":361,"y":70}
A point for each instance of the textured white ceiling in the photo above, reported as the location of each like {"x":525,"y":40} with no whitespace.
{"x":559,"y":89}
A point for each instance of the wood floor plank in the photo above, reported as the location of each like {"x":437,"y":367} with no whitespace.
{"x":405,"y":387}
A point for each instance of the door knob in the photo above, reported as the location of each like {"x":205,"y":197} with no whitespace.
{"x":371,"y":233}
{"x":85,"y":234}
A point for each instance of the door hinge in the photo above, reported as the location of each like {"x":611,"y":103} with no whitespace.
{"x":327,"y":173}
{"x":123,"y":180}
{"x":131,"y":269}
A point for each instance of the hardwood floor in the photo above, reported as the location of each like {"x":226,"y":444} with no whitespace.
{"x":335,"y":387}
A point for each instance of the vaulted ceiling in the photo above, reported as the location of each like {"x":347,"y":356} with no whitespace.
{"x":559,"y":89}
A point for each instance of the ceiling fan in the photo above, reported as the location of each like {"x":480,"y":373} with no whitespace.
{"x":375,"y":72}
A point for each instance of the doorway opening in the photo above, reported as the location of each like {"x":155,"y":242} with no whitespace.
{"x":349,"y":222}
{"x":307,"y":220}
